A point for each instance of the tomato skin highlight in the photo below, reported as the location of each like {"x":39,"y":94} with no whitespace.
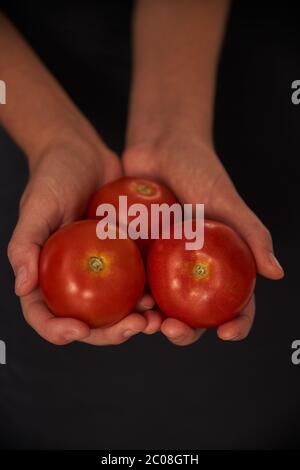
{"x":137,"y":190}
{"x":203,"y":288}
{"x":83,"y":277}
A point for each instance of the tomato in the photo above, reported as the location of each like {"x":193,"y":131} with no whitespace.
{"x":137,"y":190}
{"x":96,"y":281}
{"x":206,"y":287}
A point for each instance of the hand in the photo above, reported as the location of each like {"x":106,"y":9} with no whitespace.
{"x":61,"y":182}
{"x":191,"y":168}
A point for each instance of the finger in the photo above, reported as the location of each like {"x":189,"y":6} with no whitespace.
{"x":179,"y":333}
{"x":154,"y":322}
{"x":32,"y":229}
{"x":58,"y":331}
{"x":240,"y":327}
{"x":117,"y":333}
{"x":237,"y":214}
{"x":145,"y":303}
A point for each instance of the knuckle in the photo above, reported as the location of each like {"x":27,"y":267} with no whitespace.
{"x":23,"y":200}
{"x":266,"y":234}
{"x":257,"y":228}
{"x":26,"y":197}
{"x":11,"y":250}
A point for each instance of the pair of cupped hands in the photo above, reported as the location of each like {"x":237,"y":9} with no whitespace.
{"x":63,"y":178}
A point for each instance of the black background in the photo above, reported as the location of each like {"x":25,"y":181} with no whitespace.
{"x":147,"y":393}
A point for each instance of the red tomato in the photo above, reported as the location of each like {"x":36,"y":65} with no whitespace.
{"x":207,"y":287}
{"x":96,"y":281}
{"x":137,"y":190}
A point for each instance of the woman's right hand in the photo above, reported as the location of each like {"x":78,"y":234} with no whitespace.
{"x":61,"y":182}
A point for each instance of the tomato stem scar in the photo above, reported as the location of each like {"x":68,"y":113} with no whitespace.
{"x":96,"y":264}
{"x":143,"y":188}
{"x":201,"y":270}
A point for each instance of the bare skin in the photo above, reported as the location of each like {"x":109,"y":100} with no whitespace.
{"x":169,"y":134}
{"x":68,"y":161}
{"x":176,"y":47}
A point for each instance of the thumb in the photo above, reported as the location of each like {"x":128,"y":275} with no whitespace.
{"x":237,"y":214}
{"x":37,"y":219}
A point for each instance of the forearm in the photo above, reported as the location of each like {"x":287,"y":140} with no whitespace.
{"x":38,"y":112}
{"x":176,"y":49}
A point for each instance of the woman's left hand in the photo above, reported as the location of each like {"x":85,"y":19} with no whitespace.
{"x":191,"y":168}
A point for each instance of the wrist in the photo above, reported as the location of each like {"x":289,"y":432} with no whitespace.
{"x":152,"y":132}
{"x":159,"y":122}
{"x":162,"y":104}
{"x":76,"y":137}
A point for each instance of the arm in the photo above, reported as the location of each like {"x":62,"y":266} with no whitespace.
{"x":68,"y":161}
{"x":176,"y":49}
{"x":36,"y":103}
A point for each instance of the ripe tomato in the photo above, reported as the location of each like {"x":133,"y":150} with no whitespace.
{"x":137,"y":190}
{"x":207,"y":287}
{"x":96,"y":281}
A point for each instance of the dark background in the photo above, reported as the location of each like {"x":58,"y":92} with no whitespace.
{"x":147,"y":393}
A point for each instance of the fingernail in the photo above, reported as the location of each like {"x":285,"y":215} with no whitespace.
{"x":230,"y":338}
{"x":128,"y":333}
{"x":21,"y":278}
{"x":72,"y":335}
{"x":147,"y":307}
{"x":274,"y":261}
{"x":177,"y":338}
